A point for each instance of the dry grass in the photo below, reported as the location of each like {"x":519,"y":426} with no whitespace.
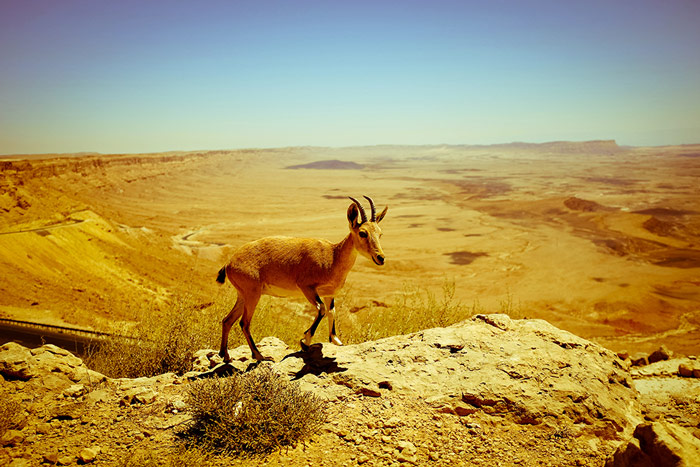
{"x":254,"y":413}
{"x":415,"y":309}
{"x":157,"y":343}
{"x":165,"y":342}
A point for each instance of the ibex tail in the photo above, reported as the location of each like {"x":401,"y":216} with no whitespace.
{"x":221,"y":278}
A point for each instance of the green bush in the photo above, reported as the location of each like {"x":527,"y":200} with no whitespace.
{"x":250,"y":414}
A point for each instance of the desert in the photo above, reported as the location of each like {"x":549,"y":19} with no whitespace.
{"x":496,"y":256}
{"x":598,"y":239}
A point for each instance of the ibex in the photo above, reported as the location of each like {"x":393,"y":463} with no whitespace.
{"x":308,"y":267}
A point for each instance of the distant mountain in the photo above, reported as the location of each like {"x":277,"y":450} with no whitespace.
{"x":333,"y":164}
{"x":608,"y":146}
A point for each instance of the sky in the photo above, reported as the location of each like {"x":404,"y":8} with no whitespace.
{"x":147,"y":76}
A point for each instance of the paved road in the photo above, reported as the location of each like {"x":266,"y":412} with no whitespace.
{"x":48,"y":227}
{"x":34,"y":337}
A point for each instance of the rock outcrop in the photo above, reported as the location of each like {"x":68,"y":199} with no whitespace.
{"x":525,"y":370}
{"x":49,"y":366}
{"x":657,"y":444}
{"x":486,"y":390}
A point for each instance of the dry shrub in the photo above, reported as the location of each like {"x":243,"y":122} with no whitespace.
{"x":11,"y":412}
{"x":250,"y":414}
{"x":158,"y":343}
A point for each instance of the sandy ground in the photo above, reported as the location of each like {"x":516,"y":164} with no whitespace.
{"x":598,"y":239}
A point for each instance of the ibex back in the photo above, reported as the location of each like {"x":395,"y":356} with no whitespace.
{"x":308,"y":267}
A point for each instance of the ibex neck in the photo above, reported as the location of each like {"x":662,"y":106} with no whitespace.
{"x":345,"y":253}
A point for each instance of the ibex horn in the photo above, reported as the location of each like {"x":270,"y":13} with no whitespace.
{"x":374,"y":211}
{"x":363,"y":215}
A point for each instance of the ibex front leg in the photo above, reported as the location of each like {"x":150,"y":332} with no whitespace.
{"x":317,"y":302}
{"x":332,"y":337}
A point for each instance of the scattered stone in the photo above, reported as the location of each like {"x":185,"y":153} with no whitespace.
{"x":21,"y":462}
{"x":138,"y":395}
{"x":145,"y":397}
{"x":12,"y":438}
{"x":386,"y":385}
{"x":66,"y":459}
{"x":99,"y":395}
{"x":639,"y":360}
{"x":685,"y":370}
{"x":661,"y":354}
{"x":14,"y":360}
{"x":43,"y":428}
{"x":369,"y":392}
{"x":463,"y":411}
{"x":88,"y":455}
{"x":393,"y":422}
{"x":406,"y":457}
{"x":75,"y":390}
{"x":51,"y":458}
{"x":407,"y":447}
{"x":176,"y":405}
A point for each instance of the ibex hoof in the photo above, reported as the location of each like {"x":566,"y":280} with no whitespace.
{"x":260,"y":358}
{"x":225,"y":356}
{"x":335,"y":340}
{"x":304,"y":347}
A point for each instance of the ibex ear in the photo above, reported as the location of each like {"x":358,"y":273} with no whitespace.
{"x":353,"y":214}
{"x":382,"y":214}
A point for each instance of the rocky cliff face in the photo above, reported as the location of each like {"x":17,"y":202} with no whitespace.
{"x":485,"y":391}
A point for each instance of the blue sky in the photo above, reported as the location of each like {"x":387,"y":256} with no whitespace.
{"x":145,"y":76}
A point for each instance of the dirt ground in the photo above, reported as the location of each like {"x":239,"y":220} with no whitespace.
{"x":598,"y":239}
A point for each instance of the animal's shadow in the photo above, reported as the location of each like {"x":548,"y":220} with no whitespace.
{"x":315,"y":363}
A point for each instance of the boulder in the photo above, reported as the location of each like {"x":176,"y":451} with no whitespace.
{"x":48,"y":365}
{"x":14,"y":360}
{"x":656,"y":444}
{"x":12,"y":438}
{"x":661,"y":354}
{"x":88,"y":455}
{"x":526,"y":370}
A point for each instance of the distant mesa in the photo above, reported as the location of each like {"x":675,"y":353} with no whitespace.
{"x":333,"y":164}
{"x":578,"y":204}
{"x":660,"y":227}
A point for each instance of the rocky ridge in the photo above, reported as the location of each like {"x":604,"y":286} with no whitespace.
{"x":484,"y":391}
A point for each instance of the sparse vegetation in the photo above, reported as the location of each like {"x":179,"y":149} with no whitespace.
{"x":158,"y":342}
{"x":165,"y":342}
{"x":254,"y":413}
{"x":509,"y":307}
{"x":415,"y":309}
{"x":11,"y":412}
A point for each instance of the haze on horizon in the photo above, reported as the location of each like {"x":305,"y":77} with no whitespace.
{"x":155,"y":76}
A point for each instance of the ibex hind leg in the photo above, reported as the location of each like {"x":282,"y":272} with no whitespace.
{"x":332,"y":337}
{"x":251,"y":301}
{"x":227,"y":323}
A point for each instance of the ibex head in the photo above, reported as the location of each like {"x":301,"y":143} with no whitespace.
{"x":366,"y":233}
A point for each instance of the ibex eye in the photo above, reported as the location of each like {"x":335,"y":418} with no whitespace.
{"x":363,"y":234}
